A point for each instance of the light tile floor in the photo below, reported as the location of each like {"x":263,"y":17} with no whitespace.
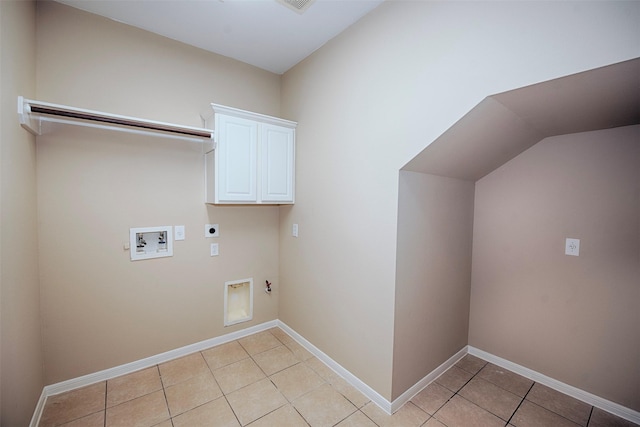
{"x":269,"y":380}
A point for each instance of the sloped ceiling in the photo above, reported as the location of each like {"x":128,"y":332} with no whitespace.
{"x":506,"y":124}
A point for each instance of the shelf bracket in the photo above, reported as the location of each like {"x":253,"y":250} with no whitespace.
{"x":27,"y":121}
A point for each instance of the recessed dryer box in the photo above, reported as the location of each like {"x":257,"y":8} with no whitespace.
{"x":238,"y":301}
{"x":150,"y":242}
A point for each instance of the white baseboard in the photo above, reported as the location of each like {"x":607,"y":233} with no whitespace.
{"x":428,"y":379}
{"x":107,"y":374}
{"x":591,"y":399}
{"x":37,"y":413}
{"x":375,"y":397}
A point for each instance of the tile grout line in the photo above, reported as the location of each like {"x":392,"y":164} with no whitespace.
{"x":218,"y":384}
{"x":231,"y":407}
{"x":301,"y":416}
{"x":504,"y":389}
{"x":554,"y":412}
{"x":266,"y":377}
{"x":260,"y":367}
{"x":590,"y":415}
{"x":357,"y":410}
{"x":522,"y":399}
{"x":106,"y":390}
{"x":520,"y":404}
{"x":457,"y":393}
{"x":454,"y":393}
{"x":303,"y":362}
{"x":368,"y":417}
{"x":550,"y":410}
{"x":442,"y":406}
{"x":164,"y":392}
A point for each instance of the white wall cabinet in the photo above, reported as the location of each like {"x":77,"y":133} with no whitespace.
{"x":254,"y":158}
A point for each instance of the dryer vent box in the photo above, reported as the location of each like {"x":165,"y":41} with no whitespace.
{"x":238,"y":301}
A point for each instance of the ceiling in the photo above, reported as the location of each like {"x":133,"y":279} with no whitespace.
{"x":263,"y":33}
{"x":506,"y":124}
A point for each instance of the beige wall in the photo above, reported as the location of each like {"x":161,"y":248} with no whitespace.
{"x":369,"y":101}
{"x":21,"y":372}
{"x":574,"y":319}
{"x":433,"y":274}
{"x":99,"y":309}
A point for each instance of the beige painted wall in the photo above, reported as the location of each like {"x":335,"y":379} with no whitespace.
{"x":379,"y":93}
{"x":99,"y":309}
{"x":433,"y":274}
{"x":574,"y":319}
{"x":369,"y":101}
{"x":21,"y":373}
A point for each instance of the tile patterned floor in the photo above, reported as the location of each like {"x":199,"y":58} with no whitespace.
{"x":269,"y":380}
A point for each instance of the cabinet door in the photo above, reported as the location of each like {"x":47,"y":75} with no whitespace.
{"x":236,"y":159}
{"x":277,"y":151}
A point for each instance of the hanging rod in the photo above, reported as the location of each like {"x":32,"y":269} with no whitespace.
{"x":32,"y":113}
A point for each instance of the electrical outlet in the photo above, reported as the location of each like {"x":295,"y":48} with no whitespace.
{"x":214,"y":249}
{"x":294,"y":230}
{"x":572,"y":247}
{"x":179,"y":232}
{"x":211,"y":230}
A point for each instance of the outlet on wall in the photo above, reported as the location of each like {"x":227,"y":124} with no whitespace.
{"x":179,"y":232}
{"x":211,"y":230}
{"x":572,"y":247}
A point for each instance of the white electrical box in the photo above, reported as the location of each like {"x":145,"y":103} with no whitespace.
{"x":150,"y":242}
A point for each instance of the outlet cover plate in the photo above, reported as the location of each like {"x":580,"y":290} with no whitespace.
{"x":211,"y":230}
{"x":179,"y":232}
{"x":572,"y":247}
